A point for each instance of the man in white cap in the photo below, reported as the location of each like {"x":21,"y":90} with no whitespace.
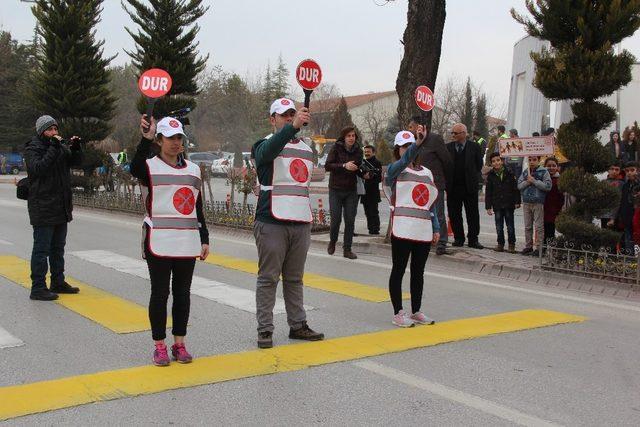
{"x":49,"y":159}
{"x":282,"y":226}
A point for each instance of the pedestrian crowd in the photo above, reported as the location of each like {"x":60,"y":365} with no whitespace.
{"x":424,"y":169}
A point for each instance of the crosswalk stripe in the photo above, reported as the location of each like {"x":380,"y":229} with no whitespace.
{"x":8,"y":340}
{"x":108,"y":310}
{"x":109,"y":385}
{"x":5,"y":242}
{"x":222,"y":293}
{"x":325,"y":283}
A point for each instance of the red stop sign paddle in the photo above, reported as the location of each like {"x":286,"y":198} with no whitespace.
{"x":309,"y":76}
{"x":424,"y":98}
{"x":153,"y":84}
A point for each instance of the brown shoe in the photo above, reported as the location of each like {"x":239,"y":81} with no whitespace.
{"x":499,"y":248}
{"x":305,"y":333}
{"x":512,"y":249}
{"x":350,"y":255}
{"x":331,"y":248}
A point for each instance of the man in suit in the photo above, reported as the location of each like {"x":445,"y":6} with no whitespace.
{"x":462,"y":188}
{"x":435,"y":157}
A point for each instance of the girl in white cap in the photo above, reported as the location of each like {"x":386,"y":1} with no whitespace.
{"x":414,"y":224}
{"x":175,"y":233}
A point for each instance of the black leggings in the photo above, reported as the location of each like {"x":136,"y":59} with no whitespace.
{"x":400,"y":251}
{"x":160,"y":271}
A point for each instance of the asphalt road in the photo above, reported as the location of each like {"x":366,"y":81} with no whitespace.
{"x":578,"y":373}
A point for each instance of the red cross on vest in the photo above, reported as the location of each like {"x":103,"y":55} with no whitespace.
{"x":184,"y":201}
{"x":420,"y":194}
{"x":299,"y":171}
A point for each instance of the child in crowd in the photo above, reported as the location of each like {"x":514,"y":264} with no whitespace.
{"x":534,"y":184}
{"x":614,"y":179}
{"x":501,"y":199}
{"x":624,"y":216}
{"x":554,"y":201}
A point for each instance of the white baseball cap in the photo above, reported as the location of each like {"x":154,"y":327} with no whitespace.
{"x":281,"y":106}
{"x":404,"y":137}
{"x":169,"y":126}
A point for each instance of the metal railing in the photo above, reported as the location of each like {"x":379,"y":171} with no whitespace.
{"x":585,"y":261}
{"x":216,"y":213}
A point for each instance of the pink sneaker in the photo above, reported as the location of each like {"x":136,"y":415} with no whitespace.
{"x":180,"y":354}
{"x":421,"y":319}
{"x":402,"y":319}
{"x":160,"y":355}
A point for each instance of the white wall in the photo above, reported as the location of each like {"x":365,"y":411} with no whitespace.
{"x":527,"y":106}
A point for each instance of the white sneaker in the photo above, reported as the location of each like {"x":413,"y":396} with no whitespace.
{"x":421,"y":319}
{"x":402,"y":319}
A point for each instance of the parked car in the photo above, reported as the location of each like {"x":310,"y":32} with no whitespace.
{"x":220,"y":166}
{"x":11,"y":163}
{"x":205,"y":158}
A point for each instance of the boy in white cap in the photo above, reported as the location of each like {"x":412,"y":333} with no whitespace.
{"x":282,"y":226}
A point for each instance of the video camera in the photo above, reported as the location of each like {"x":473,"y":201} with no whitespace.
{"x":367,"y":167}
{"x":181,"y":115}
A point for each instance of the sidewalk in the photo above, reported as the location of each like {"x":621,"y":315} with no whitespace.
{"x":490,"y":263}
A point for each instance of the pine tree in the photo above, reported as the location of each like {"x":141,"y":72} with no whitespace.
{"x":340,"y":119}
{"x":268,"y":88}
{"x":467,"y":118}
{"x":582,"y":66}
{"x":281,"y":79}
{"x":17,"y":116}
{"x":71,"y":82}
{"x":481,"y":116}
{"x":166,"y":40}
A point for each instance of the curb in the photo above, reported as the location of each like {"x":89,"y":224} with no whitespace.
{"x":508,"y":271}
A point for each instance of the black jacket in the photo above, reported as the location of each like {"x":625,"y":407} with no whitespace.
{"x":48,"y":168}
{"x":372,"y":185}
{"x":339,"y":177}
{"x":625,"y":213}
{"x":435,"y":157}
{"x":472,"y":166}
{"x":501,"y":193}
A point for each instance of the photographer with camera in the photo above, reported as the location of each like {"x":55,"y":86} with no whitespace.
{"x":343,"y":163}
{"x":371,"y":170}
{"x":49,"y":159}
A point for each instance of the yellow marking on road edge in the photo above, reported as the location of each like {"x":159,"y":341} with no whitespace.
{"x":110,"y":311}
{"x":68,"y":392}
{"x":316,"y":281}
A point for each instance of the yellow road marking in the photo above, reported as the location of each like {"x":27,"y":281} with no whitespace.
{"x":325,"y":283}
{"x":108,"y":310}
{"x":19,"y":400}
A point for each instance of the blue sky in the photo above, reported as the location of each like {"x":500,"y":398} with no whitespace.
{"x":356,"y":42}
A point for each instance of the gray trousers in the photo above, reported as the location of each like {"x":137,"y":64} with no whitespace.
{"x":442,"y":219}
{"x":282,"y":250}
{"x":533,"y":219}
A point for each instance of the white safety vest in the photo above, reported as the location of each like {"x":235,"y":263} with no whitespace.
{"x":290,"y":183}
{"x":414,"y":194}
{"x":172,"y":217}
